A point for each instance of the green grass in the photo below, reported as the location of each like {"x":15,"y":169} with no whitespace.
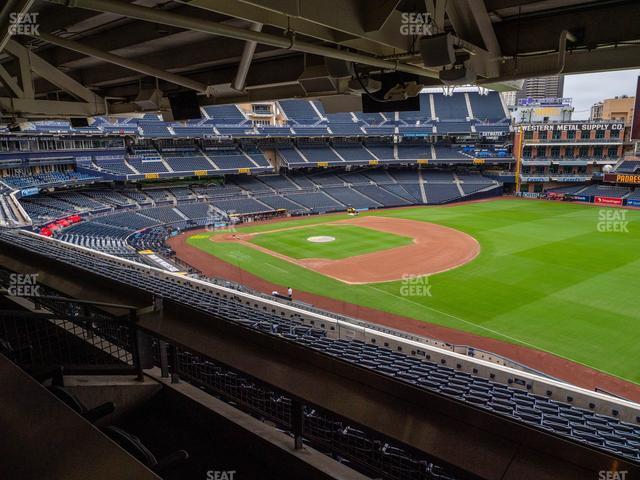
{"x":545,"y":278}
{"x":349,"y":241}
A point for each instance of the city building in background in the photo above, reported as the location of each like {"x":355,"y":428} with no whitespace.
{"x":541,"y":87}
{"x":548,"y":109}
{"x":619,"y":108}
{"x":509,"y":98}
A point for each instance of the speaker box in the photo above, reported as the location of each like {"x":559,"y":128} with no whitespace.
{"x":185,"y":106}
{"x":437,"y":50}
{"x":338,"y":68}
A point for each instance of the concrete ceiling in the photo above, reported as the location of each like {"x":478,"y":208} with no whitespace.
{"x":113,"y":48}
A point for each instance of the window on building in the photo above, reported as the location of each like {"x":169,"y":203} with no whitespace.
{"x":261,"y":109}
{"x":612,"y":152}
{"x":615,"y":134}
{"x":597,"y":151}
{"x":528,"y":135}
{"x":584,"y":151}
{"x":555,"y":152}
{"x":568,"y":152}
{"x":526,"y":152}
{"x":556,"y":135}
{"x":571,"y":134}
{"x":599,"y":133}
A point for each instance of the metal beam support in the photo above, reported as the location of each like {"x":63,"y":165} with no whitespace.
{"x":52,"y":74}
{"x":245,"y":60}
{"x":216,"y":28}
{"x":24,"y":67}
{"x":319,"y":20}
{"x":10,"y":82}
{"x":125,"y":62}
{"x":18,"y":7}
{"x":31,"y":108}
{"x":485,"y":27}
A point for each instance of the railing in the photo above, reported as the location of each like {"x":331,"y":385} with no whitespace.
{"x":73,"y":334}
{"x":81,"y":338}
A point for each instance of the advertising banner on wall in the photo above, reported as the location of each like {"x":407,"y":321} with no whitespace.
{"x":607,"y":200}
{"x":633,"y":203}
{"x":622,"y":178}
{"x":584,"y":127}
{"x":577,"y":198}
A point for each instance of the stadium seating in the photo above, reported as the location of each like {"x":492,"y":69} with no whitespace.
{"x":487,"y":108}
{"x":277,"y":202}
{"x":242,"y":206}
{"x":414,"y":152}
{"x":187,"y":160}
{"x":351,"y":197}
{"x":326,"y":178}
{"x":48,"y":179}
{"x":292,"y":157}
{"x":353,"y":153}
{"x":195,"y":210}
{"x":299,"y":111}
{"x":230,"y":159}
{"x":225,"y":114}
{"x":447,"y":128}
{"x":320,"y":154}
{"x":453,"y":107}
{"x":316,"y":201}
{"x":628,"y":166}
{"x":449,"y":153}
{"x":599,"y":431}
{"x":441,"y":192}
{"x":382,"y":152}
{"x":382,"y":196}
{"x":605,"y":191}
{"x":114,"y":163}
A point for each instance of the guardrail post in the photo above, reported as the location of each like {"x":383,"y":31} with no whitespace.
{"x":297,"y":423}
{"x":164,"y":360}
{"x":135,"y":344}
{"x":175,"y":375}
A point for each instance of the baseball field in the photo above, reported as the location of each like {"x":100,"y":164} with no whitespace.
{"x":556,"y":277}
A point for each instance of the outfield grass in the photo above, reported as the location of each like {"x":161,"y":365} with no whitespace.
{"x":349,"y":241}
{"x":545,"y":278}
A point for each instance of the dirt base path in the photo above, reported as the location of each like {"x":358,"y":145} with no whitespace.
{"x":548,"y":363}
{"x":434,"y":249}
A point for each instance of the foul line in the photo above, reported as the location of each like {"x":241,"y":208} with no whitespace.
{"x":462,"y":320}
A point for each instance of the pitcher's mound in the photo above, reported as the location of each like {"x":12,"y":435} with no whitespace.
{"x":321,"y":239}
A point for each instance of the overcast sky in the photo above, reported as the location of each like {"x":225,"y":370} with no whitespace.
{"x":589,"y":88}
